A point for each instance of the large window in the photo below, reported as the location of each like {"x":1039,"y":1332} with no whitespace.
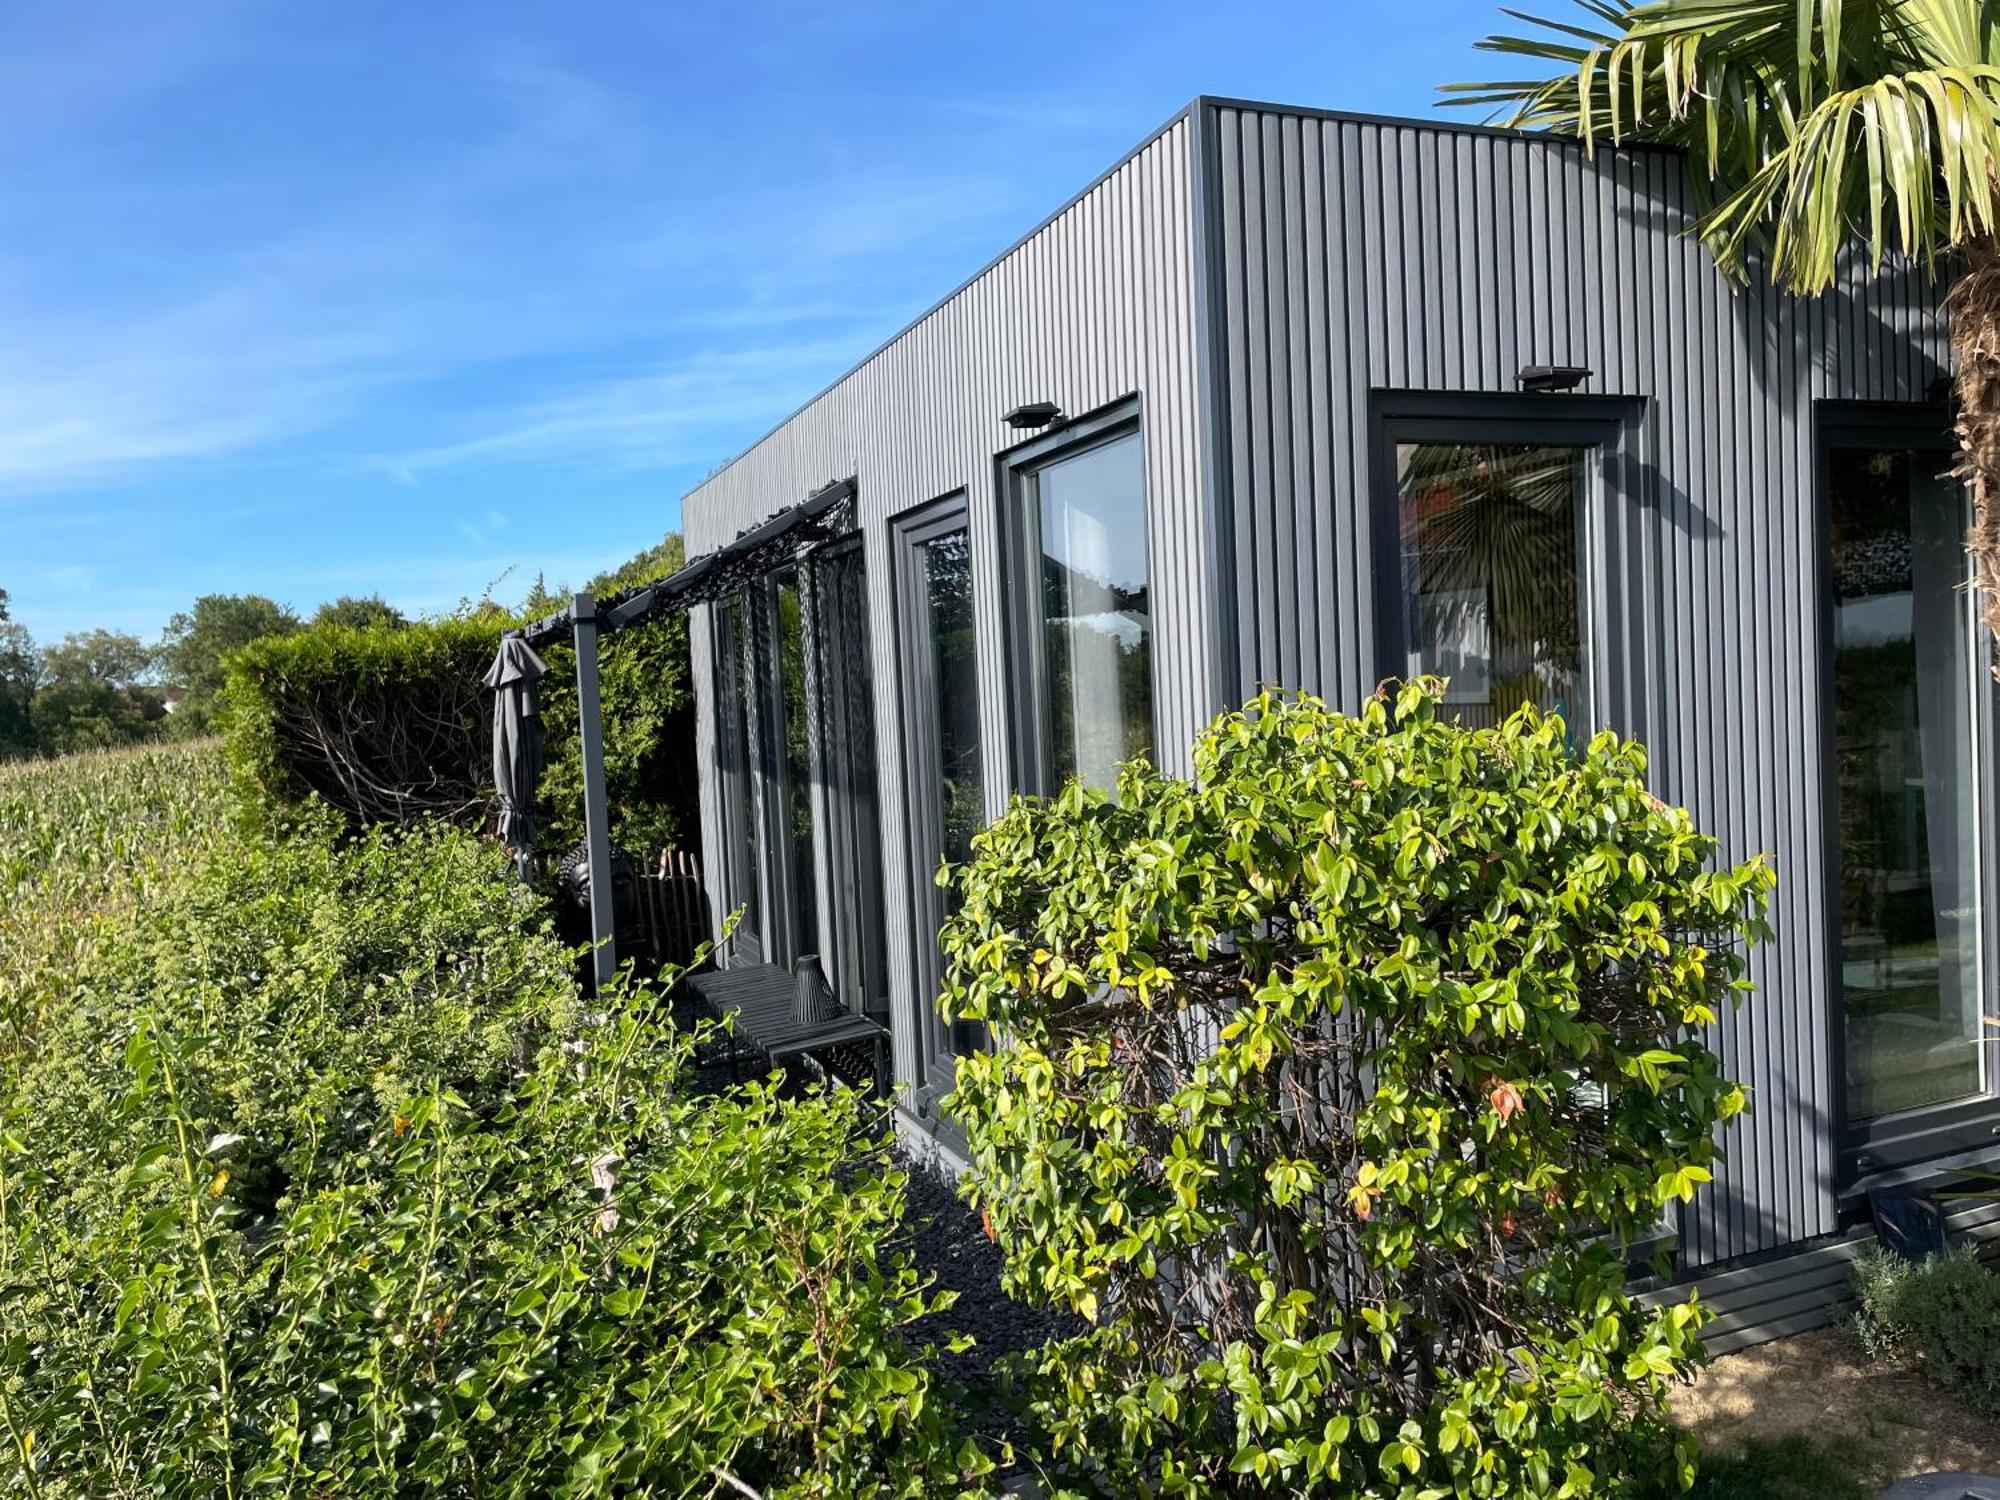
{"x":1081,"y":606}
{"x":1491,"y":538}
{"x":941,"y":710}
{"x":736,"y":694}
{"x":1905,"y":684}
{"x":1484,"y":513}
{"x":797,"y":767}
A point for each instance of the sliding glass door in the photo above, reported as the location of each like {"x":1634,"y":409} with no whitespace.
{"x":1906,"y":685}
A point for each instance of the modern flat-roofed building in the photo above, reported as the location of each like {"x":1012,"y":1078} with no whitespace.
{"x":1309,"y":399}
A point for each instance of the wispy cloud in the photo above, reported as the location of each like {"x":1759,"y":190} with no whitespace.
{"x":662,"y":420}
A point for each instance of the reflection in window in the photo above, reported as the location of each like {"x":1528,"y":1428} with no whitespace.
{"x":1491,"y":543}
{"x":1903,"y":674}
{"x":798,"y":765}
{"x":739,"y":683}
{"x":946,"y":563}
{"x":1096,"y":620}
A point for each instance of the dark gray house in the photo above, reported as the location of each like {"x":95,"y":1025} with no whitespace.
{"x":1342,"y":397}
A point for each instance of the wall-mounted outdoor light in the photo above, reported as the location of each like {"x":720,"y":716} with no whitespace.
{"x":1551,"y":377}
{"x":1034,"y":414}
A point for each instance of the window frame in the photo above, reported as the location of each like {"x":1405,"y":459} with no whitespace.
{"x":1913,"y":1138}
{"x":1606,"y":426}
{"x":1024,"y":653}
{"x":936,"y":1053}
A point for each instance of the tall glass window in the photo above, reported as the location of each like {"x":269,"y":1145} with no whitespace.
{"x":1491,"y":548}
{"x":797,"y":750}
{"x":736,"y":658}
{"x":1087,"y":512}
{"x":1904,"y":675}
{"x":947,"y":799}
{"x":946,"y":567}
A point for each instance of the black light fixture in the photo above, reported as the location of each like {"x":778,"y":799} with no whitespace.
{"x":1033,"y":414}
{"x":1551,"y":377}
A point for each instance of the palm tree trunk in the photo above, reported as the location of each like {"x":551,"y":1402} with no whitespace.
{"x":1974,"y":308}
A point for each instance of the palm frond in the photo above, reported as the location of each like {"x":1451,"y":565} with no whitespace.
{"x":1816,"y":122}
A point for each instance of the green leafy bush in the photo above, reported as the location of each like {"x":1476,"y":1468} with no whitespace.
{"x":315,"y":1180}
{"x":1943,"y":1312}
{"x":384,"y":726}
{"x":1330,"y":1086}
{"x":389,"y":722}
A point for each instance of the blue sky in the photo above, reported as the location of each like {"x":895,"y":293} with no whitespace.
{"x":314,"y":299}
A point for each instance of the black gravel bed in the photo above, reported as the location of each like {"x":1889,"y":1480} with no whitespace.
{"x":947,"y":1243}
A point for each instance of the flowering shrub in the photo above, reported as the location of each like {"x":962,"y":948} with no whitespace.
{"x":1332,"y":1085}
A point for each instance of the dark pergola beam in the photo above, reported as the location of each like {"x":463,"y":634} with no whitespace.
{"x":824,"y":514}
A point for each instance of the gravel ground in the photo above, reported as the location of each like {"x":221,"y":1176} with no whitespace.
{"x":948,"y":1242}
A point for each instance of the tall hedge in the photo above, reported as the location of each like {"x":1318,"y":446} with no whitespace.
{"x":385,"y":726}
{"x":393,"y":725}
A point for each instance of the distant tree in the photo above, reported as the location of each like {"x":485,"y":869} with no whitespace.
{"x":20,"y":676}
{"x":93,"y":692}
{"x":197,"y":640}
{"x":370,"y":613}
{"x":108,"y":656}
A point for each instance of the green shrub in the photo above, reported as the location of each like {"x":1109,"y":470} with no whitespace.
{"x":391,"y":723}
{"x":1330,"y":1084}
{"x":384,"y":726}
{"x":645,"y":677}
{"x":1943,"y":1313}
{"x":315,"y":1180}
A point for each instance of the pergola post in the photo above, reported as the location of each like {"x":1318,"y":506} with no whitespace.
{"x":596,"y":808}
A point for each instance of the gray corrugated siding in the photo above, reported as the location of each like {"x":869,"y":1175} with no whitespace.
{"x":1357,"y":255}
{"x":1098,"y":304}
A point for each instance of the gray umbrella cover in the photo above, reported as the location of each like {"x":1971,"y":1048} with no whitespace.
{"x":517,"y":744}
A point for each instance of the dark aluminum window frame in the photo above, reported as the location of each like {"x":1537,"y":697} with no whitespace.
{"x":1607,"y":426}
{"x":936,"y":1048}
{"x":1900,"y":1142}
{"x":1020,"y":583}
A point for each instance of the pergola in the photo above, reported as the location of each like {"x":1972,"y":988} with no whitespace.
{"x":787,"y":537}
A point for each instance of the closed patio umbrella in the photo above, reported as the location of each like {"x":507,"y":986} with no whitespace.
{"x":517,"y":744}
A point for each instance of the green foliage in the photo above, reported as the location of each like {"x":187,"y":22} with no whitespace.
{"x":315,"y":1179}
{"x":1331,"y":1085}
{"x":1793,"y":1467}
{"x":394,"y":724}
{"x":649,"y":754}
{"x":384,"y":726}
{"x":1944,"y":1313}
{"x":196,"y":643}
{"x":82,"y":840}
{"x":1815,"y":122}
{"x":360,"y":613}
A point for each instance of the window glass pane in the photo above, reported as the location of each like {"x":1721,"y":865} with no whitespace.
{"x":1096,"y":621}
{"x":798,"y":766}
{"x":740,"y":666}
{"x":1903,"y":674}
{"x":947,"y":583}
{"x":1491,"y":542}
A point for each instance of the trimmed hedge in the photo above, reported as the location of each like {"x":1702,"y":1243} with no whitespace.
{"x":395,"y":726}
{"x":384,"y":726}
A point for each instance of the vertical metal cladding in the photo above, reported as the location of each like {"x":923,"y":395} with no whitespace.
{"x":1097,"y":305}
{"x":1354,"y":255}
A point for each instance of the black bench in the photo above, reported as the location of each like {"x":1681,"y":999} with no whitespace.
{"x":758,"y":1002}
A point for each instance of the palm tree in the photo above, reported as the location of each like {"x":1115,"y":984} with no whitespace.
{"x":1813,"y":125}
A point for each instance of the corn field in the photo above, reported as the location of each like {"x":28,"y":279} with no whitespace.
{"x":81,"y":841}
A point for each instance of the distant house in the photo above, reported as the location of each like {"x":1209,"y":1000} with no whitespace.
{"x":1343,"y":398}
{"x":170,"y":698}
